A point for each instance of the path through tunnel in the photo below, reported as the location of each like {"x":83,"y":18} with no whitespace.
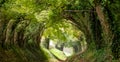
{"x":63,"y":39}
{"x":36,"y":30}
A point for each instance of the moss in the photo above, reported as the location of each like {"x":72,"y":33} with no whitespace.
{"x":16,"y":54}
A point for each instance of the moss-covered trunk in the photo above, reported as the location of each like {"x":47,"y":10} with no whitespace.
{"x":21,"y":37}
{"x":114,"y":25}
{"x":95,"y":25}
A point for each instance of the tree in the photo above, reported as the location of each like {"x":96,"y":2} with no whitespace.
{"x":23,"y":22}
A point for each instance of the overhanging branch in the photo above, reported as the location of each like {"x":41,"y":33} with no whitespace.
{"x":79,"y":11}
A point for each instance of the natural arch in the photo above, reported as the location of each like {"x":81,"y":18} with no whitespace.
{"x":23,"y":22}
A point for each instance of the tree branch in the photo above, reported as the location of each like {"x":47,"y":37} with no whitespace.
{"x":79,"y":11}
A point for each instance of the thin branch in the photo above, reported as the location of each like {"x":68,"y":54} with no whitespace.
{"x":79,"y":11}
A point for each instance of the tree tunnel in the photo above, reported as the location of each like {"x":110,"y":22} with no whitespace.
{"x":31,"y":30}
{"x":65,"y":37}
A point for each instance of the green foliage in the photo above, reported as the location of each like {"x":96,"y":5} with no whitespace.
{"x":113,"y":13}
{"x":26,"y":21}
{"x":62,"y":31}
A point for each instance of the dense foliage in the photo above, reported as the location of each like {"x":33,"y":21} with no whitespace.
{"x":24,"y":22}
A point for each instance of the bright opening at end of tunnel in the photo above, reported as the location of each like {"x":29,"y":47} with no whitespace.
{"x":63,"y":40}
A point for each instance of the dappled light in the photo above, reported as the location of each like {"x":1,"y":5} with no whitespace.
{"x":63,"y":40}
{"x":59,"y":31}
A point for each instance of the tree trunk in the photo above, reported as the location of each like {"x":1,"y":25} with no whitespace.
{"x":114,"y":25}
{"x":96,"y":30}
